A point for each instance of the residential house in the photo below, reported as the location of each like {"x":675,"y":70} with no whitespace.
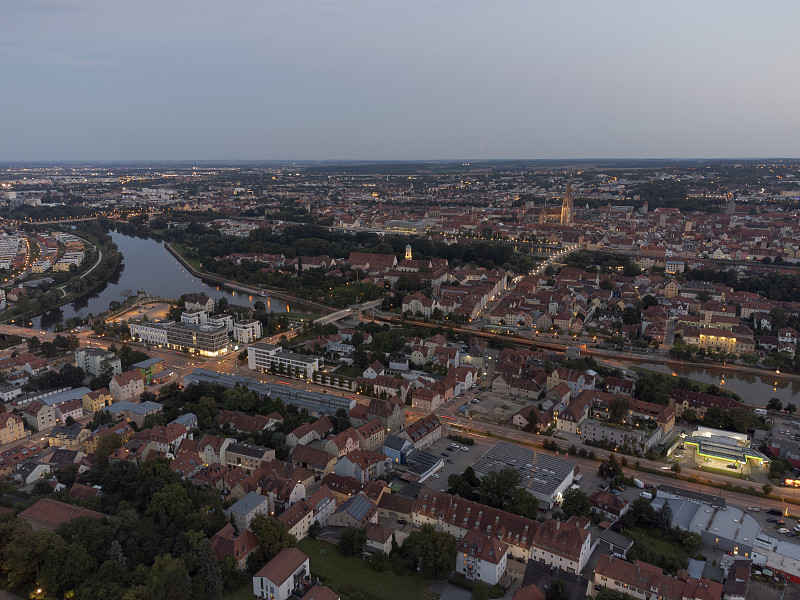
{"x":645,"y":581}
{"x":567,"y":545}
{"x":11,"y":428}
{"x":226,"y":542}
{"x":247,"y":508}
{"x":358,"y":511}
{"x":481,"y":558}
{"x":96,"y":400}
{"x":127,"y":386}
{"x":362,"y":465}
{"x":282,"y":575}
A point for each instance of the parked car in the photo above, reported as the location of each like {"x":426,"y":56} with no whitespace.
{"x":445,"y":454}
{"x":435,"y":476}
{"x":753,"y":509}
{"x":615,"y":492}
{"x":465,"y":449}
{"x":779,"y":523}
{"x":774,"y":511}
{"x":783,"y":530}
{"x":402,"y":522}
{"x":449,"y":460}
{"x":771,"y":520}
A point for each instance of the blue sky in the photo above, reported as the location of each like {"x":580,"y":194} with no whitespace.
{"x":397,"y":79}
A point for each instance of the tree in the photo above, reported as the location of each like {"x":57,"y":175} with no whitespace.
{"x":791,"y":408}
{"x":690,"y":415}
{"x":271,"y":535}
{"x":168,"y":579}
{"x":433,"y":552}
{"x":610,"y":467}
{"x":676,"y":468}
{"x":352,"y":540}
{"x":497,"y":488}
{"x":575,"y":503}
{"x":774,"y":404}
{"x":767,"y":489}
{"x":480,"y":591}
{"x":380,"y":561}
{"x":618,"y":409}
{"x":606,"y":284}
{"x":106,"y":444}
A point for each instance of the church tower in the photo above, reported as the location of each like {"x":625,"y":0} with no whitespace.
{"x":566,"y":206}
{"x":408,"y":252}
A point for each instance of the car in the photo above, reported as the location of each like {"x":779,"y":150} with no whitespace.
{"x":753,"y":509}
{"x":774,"y":511}
{"x":454,"y":445}
{"x":615,"y":492}
{"x":449,"y":460}
{"x":779,"y":523}
{"x":435,"y":476}
{"x":465,"y":449}
{"x":781,"y":432}
{"x":445,"y":454}
{"x":732,"y":466}
{"x":783,"y":530}
{"x":771,"y":520}
{"x":402,"y":522}
{"x":667,"y":468}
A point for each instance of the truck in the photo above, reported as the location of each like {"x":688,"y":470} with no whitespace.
{"x":638,"y":483}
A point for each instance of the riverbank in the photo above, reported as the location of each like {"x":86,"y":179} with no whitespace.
{"x":239,"y":287}
{"x":83,"y":283}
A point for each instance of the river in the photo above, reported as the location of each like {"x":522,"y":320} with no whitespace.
{"x":147,"y":266}
{"x":755,"y":390}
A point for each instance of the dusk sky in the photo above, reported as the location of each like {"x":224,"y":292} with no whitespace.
{"x":398,"y":79}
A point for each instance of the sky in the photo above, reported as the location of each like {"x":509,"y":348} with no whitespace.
{"x":90,"y":80}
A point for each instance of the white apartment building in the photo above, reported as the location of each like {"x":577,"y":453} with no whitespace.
{"x":247,"y":331}
{"x":267,"y":357}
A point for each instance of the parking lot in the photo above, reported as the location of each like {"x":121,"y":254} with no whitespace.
{"x":455,"y":460}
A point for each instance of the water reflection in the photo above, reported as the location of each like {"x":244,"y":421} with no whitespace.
{"x":755,"y":390}
{"x":148,"y":266}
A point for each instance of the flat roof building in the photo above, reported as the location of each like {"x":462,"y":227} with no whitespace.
{"x":545,"y":476}
{"x":317,"y":403}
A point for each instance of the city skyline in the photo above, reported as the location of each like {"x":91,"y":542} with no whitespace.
{"x":397,"y":81}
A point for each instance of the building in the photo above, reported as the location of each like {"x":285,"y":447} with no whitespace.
{"x":49,"y":514}
{"x":316,"y":403}
{"x":71,"y":437}
{"x":40,"y":416}
{"x":246,"y":456}
{"x":362,"y":465}
{"x":545,"y":476}
{"x":458,"y":516}
{"x":133,"y":412}
{"x":357,"y":511}
{"x":424,"y":432}
{"x":149,"y":368}
{"x":566,"y":545}
{"x":227,"y":543}
{"x":481,"y":558}
{"x":636,"y":439}
{"x":11,"y":428}
{"x":205,"y":340}
{"x":281,"y":576}
{"x":267,"y":357}
{"x":648,"y":582}
{"x":245,"y":509}
{"x":94,"y":360}
{"x":727,"y":528}
{"x":607,"y":504}
{"x":126,"y":386}
{"x":154,"y":333}
{"x":247,"y":331}
{"x":96,"y":400}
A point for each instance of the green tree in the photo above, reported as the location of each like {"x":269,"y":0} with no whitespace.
{"x":271,"y":535}
{"x":618,"y":408}
{"x":767,"y":489}
{"x":480,"y":591}
{"x":791,"y":408}
{"x":433,"y":552}
{"x":575,"y":503}
{"x":168,"y":579}
{"x":774,"y":404}
{"x":497,"y":488}
{"x":676,"y":468}
{"x":352,"y":540}
{"x":610,"y":467}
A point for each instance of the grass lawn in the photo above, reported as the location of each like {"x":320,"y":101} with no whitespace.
{"x":348,"y":371}
{"x":657,"y":545}
{"x":243,"y":593}
{"x":349,"y":574}
{"x":726,"y":472}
